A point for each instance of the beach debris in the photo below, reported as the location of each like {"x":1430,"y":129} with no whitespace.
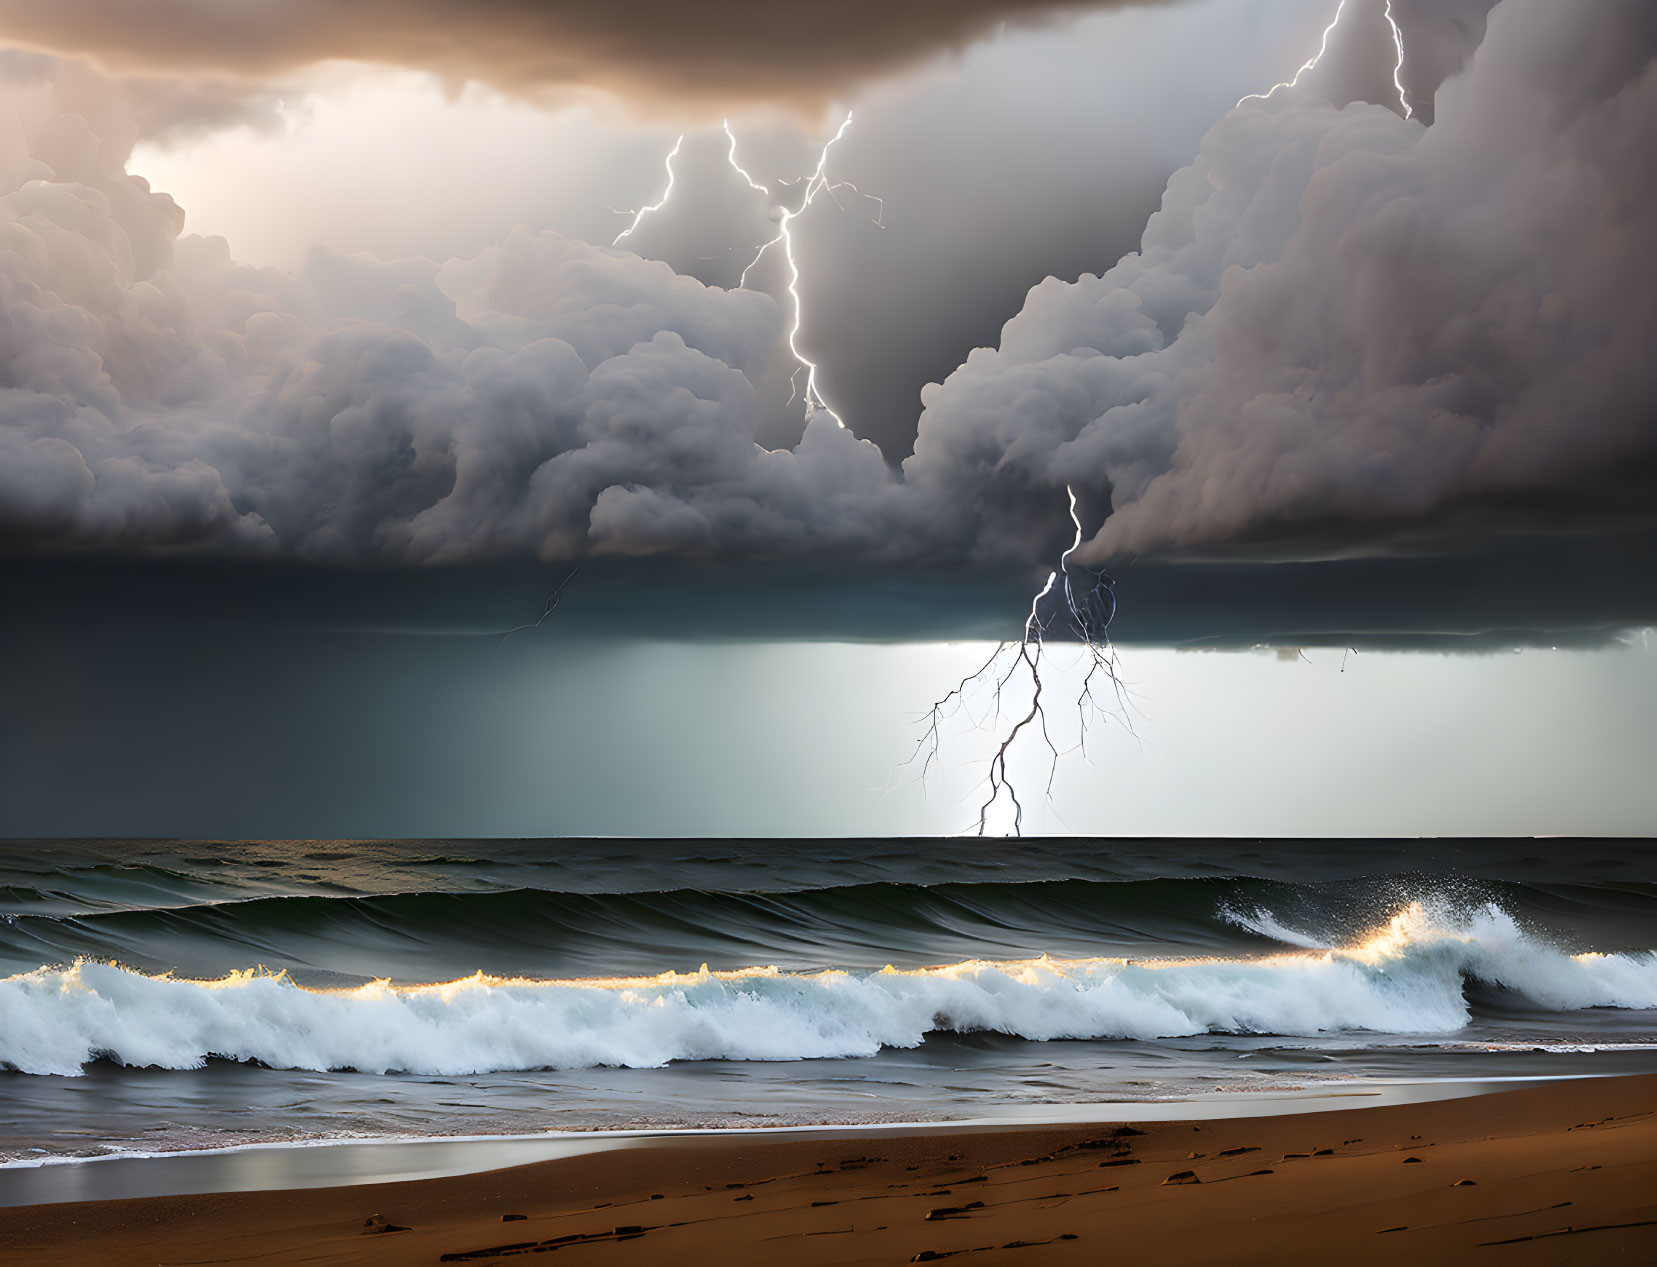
{"x":1115,"y":1142}
{"x":378,"y":1225}
{"x":953,"y":1211}
{"x":624,"y":1232}
{"x":933,"y":1255}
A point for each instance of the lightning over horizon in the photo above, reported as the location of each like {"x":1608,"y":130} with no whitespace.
{"x":1090,"y":617}
{"x":1088,"y":609}
{"x":1090,"y":614}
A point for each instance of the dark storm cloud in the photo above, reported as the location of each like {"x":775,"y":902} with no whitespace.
{"x":1340,"y":320}
{"x":652,"y":51}
{"x":156,"y":108}
{"x":1345,"y":338}
{"x":545,"y":396}
{"x":1485,"y":595}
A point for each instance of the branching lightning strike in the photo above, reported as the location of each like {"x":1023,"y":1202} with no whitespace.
{"x":1090,"y":615}
{"x":816,"y":183}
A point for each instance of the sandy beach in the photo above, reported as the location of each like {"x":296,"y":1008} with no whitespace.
{"x":1561,"y":1172}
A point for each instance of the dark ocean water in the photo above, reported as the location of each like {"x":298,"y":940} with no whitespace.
{"x":167,"y":995}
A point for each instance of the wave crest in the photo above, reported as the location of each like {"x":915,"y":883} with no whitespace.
{"x":1406,"y":977}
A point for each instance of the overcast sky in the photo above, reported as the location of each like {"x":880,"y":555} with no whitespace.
{"x":306,"y":325}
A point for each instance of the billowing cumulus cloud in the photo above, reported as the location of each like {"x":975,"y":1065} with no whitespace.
{"x":663,"y":53}
{"x":1342,"y":321}
{"x":546,"y":397}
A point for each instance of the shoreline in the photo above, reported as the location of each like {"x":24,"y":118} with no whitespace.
{"x":1540,"y":1169}
{"x":352,"y":1160}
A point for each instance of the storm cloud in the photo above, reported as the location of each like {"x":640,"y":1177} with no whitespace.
{"x":1341,"y":324}
{"x":546,"y":396}
{"x":1346,"y":335}
{"x":658,"y":53}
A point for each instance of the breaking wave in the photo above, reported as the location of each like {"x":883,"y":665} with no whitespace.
{"x":1409,"y":976}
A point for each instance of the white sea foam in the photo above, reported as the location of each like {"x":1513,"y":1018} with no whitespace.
{"x":1408,"y":977}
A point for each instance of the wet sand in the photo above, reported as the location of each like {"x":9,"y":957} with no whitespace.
{"x":1547,"y":1174}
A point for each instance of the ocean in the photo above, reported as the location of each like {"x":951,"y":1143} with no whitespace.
{"x":159,"y":996}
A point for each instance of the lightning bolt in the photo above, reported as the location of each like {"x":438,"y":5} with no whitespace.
{"x":554,"y":601}
{"x":739,"y":169}
{"x":817,"y":183}
{"x":1090,"y":615}
{"x":1307,"y":65}
{"x":1033,"y":627}
{"x":1323,"y":47}
{"x":667,"y":193}
{"x":1398,"y":66}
